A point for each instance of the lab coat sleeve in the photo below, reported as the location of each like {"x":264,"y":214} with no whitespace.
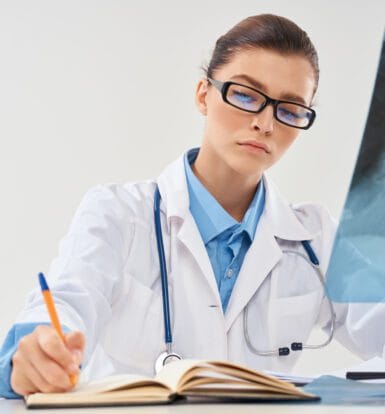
{"x":85,"y":277}
{"x":359,"y":326}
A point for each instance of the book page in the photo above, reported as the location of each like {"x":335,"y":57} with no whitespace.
{"x":116,"y":382}
{"x":187,"y":374}
{"x":112,"y":390}
{"x":249,"y":374}
{"x":142,"y":395}
{"x":233,"y":374}
{"x":172,"y":373}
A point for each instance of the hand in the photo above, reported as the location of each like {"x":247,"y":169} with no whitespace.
{"x":43,"y":363}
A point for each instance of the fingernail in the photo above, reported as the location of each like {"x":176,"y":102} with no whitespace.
{"x":73,"y":368}
{"x":78,"y":355}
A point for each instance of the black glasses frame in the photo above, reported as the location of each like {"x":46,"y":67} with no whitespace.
{"x":223,"y":87}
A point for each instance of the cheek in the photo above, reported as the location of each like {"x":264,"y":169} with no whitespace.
{"x":223,"y":121}
{"x":286,"y":139}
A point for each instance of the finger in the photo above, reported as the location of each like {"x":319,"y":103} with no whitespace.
{"x":52,"y":373}
{"x":75,"y":341}
{"x":22,"y":385}
{"x":29,"y":357}
{"x":25,"y":379}
{"x":52,"y":345}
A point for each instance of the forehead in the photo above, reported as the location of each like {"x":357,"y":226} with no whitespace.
{"x":279,"y":76}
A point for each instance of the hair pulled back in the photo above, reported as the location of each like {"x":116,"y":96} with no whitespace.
{"x":266,"y":31}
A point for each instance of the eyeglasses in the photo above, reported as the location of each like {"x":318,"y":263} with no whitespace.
{"x":251,"y":100}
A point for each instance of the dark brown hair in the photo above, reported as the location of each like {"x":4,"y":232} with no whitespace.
{"x":266,"y":31}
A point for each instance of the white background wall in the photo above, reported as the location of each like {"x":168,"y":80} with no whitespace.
{"x":99,"y":91}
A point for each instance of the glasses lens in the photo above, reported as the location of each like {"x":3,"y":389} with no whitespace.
{"x":294,"y":115}
{"x":245,"y":98}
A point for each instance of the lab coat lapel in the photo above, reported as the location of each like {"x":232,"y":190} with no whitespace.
{"x":175,"y":204}
{"x":278,"y":221}
{"x":263,"y":254}
{"x":189,"y":235}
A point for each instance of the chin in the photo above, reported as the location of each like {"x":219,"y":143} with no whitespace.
{"x":247,"y":167}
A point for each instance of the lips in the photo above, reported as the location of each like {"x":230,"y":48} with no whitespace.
{"x":256,"y":144}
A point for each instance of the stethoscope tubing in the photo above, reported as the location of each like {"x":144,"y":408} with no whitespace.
{"x":163,"y":270}
{"x":166,"y":305}
{"x":296,"y":346}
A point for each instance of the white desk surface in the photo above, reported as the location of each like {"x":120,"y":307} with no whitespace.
{"x":17,"y":407}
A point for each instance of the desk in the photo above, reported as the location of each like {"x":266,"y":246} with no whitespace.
{"x":17,"y":407}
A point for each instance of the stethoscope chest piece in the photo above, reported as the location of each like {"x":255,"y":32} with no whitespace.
{"x":165,"y":358}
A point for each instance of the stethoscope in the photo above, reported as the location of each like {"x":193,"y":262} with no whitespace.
{"x":169,"y":355}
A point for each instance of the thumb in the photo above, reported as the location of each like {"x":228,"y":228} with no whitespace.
{"x":75,"y":341}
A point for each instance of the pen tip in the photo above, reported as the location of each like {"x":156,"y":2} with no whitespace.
{"x":43,"y":282}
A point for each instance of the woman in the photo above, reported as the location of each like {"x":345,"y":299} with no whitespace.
{"x":239,"y":280}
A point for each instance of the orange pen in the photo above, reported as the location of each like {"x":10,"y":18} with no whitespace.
{"x":53,"y":315}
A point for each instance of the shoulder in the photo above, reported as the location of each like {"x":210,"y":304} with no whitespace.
{"x":302,"y":221}
{"x":293,"y":220}
{"x":120,"y":200}
{"x":315,"y":217}
{"x":115,"y":213}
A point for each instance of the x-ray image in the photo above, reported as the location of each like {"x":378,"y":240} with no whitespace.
{"x":356,"y":270}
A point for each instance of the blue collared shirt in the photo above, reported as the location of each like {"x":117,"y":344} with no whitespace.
{"x":226,"y":240}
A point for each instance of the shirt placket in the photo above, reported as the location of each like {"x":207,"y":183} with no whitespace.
{"x":231,"y":271}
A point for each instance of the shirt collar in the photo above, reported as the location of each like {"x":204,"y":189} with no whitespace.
{"x":284,"y":220}
{"x":211,"y":218}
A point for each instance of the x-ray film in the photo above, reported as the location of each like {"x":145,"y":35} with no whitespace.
{"x":356,"y":270}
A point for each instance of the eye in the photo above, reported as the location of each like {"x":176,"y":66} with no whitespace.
{"x":242,"y":96}
{"x":290,"y":114}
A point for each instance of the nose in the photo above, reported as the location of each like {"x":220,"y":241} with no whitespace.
{"x":264,"y":120}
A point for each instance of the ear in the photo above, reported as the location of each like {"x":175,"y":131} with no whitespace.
{"x":201,"y":95}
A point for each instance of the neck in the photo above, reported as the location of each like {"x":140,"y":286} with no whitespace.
{"x":233,"y":191}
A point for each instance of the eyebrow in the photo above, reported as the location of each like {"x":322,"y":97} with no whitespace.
{"x":262,"y":87}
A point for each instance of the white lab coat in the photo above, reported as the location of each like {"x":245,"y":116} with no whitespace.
{"x":106,"y":283}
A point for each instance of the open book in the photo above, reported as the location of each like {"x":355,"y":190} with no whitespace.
{"x":207,"y":380}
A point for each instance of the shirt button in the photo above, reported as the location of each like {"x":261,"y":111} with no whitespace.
{"x":229,"y":272}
